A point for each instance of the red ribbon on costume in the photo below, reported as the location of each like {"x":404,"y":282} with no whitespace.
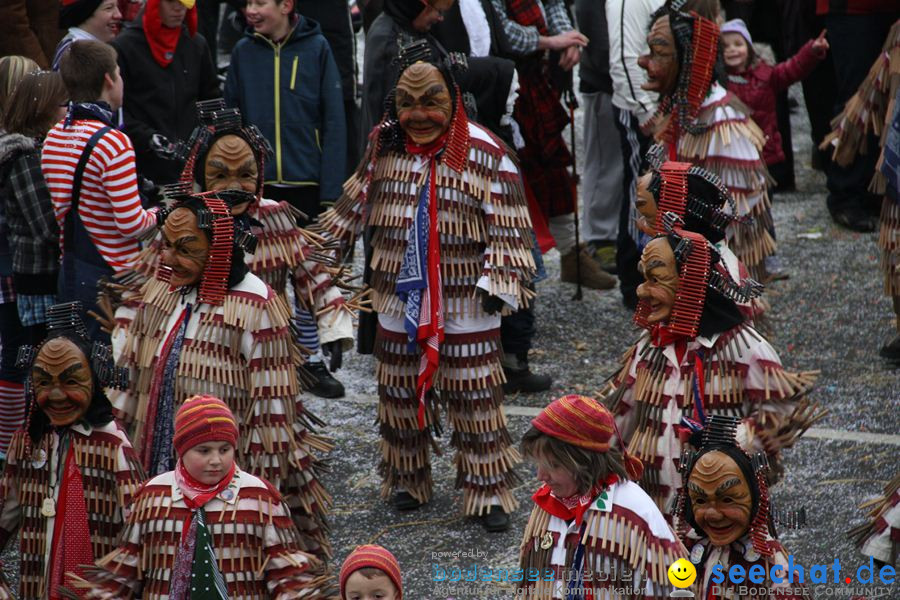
{"x":69,"y":555}
{"x":430,"y":334}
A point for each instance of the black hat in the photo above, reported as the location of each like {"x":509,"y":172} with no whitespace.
{"x":73,"y":13}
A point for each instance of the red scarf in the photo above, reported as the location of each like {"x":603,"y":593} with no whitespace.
{"x":572,"y":507}
{"x":430,"y":334}
{"x":69,"y":554}
{"x":661,"y":336}
{"x":196,"y":493}
{"x":163,"y":40}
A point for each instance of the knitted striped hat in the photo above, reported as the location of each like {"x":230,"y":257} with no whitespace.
{"x":203,"y":419}
{"x":374,"y":556}
{"x":585,"y":423}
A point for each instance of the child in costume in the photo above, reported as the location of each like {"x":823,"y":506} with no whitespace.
{"x":591,"y":525}
{"x":725,"y":502}
{"x":207,"y":523}
{"x":451,"y":251}
{"x":757,"y":83}
{"x":700,"y":122}
{"x":207,"y":325}
{"x":699,"y":357}
{"x":71,"y":472}
{"x":371,"y":572}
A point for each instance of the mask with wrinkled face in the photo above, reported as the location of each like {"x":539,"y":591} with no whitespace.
{"x":645,"y":204}
{"x":231,"y":165}
{"x":661,"y":63}
{"x":660,"y":271}
{"x":721,"y":500}
{"x":423,"y":103}
{"x":62,"y":382}
{"x":185,"y":248}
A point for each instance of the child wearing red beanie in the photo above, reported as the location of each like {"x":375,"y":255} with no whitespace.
{"x":371,"y":572}
{"x":592,"y":526}
{"x":208,"y":523}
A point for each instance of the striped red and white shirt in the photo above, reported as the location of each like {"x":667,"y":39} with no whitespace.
{"x":109,"y":205}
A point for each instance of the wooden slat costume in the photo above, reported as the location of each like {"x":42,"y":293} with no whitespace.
{"x":615,"y":537}
{"x":236,"y":344}
{"x":461,"y":197}
{"x":879,"y":537}
{"x":741,"y":479}
{"x":703,"y":359}
{"x":702,"y":123}
{"x":207,"y":530}
{"x":875,"y":109}
{"x":65,"y":495}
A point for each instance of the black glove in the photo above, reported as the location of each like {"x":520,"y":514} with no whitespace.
{"x":491,"y":304}
{"x":162,"y":147}
{"x":334,"y":350}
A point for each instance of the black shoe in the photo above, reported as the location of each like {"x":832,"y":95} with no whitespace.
{"x":521,"y":379}
{"x":855,"y":220}
{"x":891,"y":350}
{"x":495,"y":520}
{"x":404,"y":501}
{"x":327,"y":386}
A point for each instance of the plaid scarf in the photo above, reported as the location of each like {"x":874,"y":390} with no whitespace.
{"x":527,"y":13}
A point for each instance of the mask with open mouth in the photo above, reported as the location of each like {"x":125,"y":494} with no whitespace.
{"x":62,"y":382}
{"x":424,"y":104}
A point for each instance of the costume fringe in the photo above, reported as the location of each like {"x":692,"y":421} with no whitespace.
{"x":878,"y":524}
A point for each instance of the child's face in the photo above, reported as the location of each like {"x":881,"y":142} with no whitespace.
{"x":209,"y":462}
{"x":560,"y":480}
{"x":379,"y":587}
{"x":267,"y":17}
{"x":735,"y":51}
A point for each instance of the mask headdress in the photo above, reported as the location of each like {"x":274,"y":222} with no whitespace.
{"x":719,"y":434}
{"x":391,"y":136}
{"x":64,"y":321}
{"x":697,"y":41}
{"x":214,"y":218}
{"x":699,"y":269}
{"x":216,"y":121}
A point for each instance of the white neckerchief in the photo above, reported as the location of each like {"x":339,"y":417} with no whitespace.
{"x":476,"y":26}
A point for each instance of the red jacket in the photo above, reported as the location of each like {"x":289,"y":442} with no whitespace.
{"x":758,"y":86}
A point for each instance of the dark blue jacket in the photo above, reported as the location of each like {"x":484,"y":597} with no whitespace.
{"x":292,"y":92}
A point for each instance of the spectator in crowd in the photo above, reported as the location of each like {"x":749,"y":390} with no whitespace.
{"x":12,"y":70}
{"x":284,"y":80}
{"x":333,"y":16}
{"x":38,"y":103}
{"x":88,"y":166}
{"x":634,"y":108}
{"x":856,"y":31}
{"x":602,"y":188}
{"x":757,"y":83}
{"x":167,"y":68}
{"x":532,"y":27}
{"x":87,"y":20}
{"x":29,"y":28}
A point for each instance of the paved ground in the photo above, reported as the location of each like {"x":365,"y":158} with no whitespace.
{"x":829,"y":315}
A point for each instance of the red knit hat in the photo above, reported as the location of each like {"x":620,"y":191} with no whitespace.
{"x":374,"y":556}
{"x":203,"y":419}
{"x":585,"y":423}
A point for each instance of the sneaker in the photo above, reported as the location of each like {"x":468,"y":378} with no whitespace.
{"x":605,"y":255}
{"x":326,"y":385}
{"x":495,"y":520}
{"x":592,"y":275}
{"x":405,"y":501}
{"x":519,"y":378}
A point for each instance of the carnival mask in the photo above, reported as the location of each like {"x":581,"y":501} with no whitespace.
{"x":660,"y":271}
{"x":424,"y":106}
{"x":720,"y":498}
{"x":185,"y":248}
{"x":661,"y":63}
{"x":62,"y":381}
{"x":231,"y":165}
{"x":645,"y":204}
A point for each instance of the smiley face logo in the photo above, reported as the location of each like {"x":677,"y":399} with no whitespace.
{"x":682,"y":573}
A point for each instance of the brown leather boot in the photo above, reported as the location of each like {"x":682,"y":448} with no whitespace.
{"x":592,"y":275}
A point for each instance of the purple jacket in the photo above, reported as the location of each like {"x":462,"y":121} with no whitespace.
{"x":758,"y":86}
